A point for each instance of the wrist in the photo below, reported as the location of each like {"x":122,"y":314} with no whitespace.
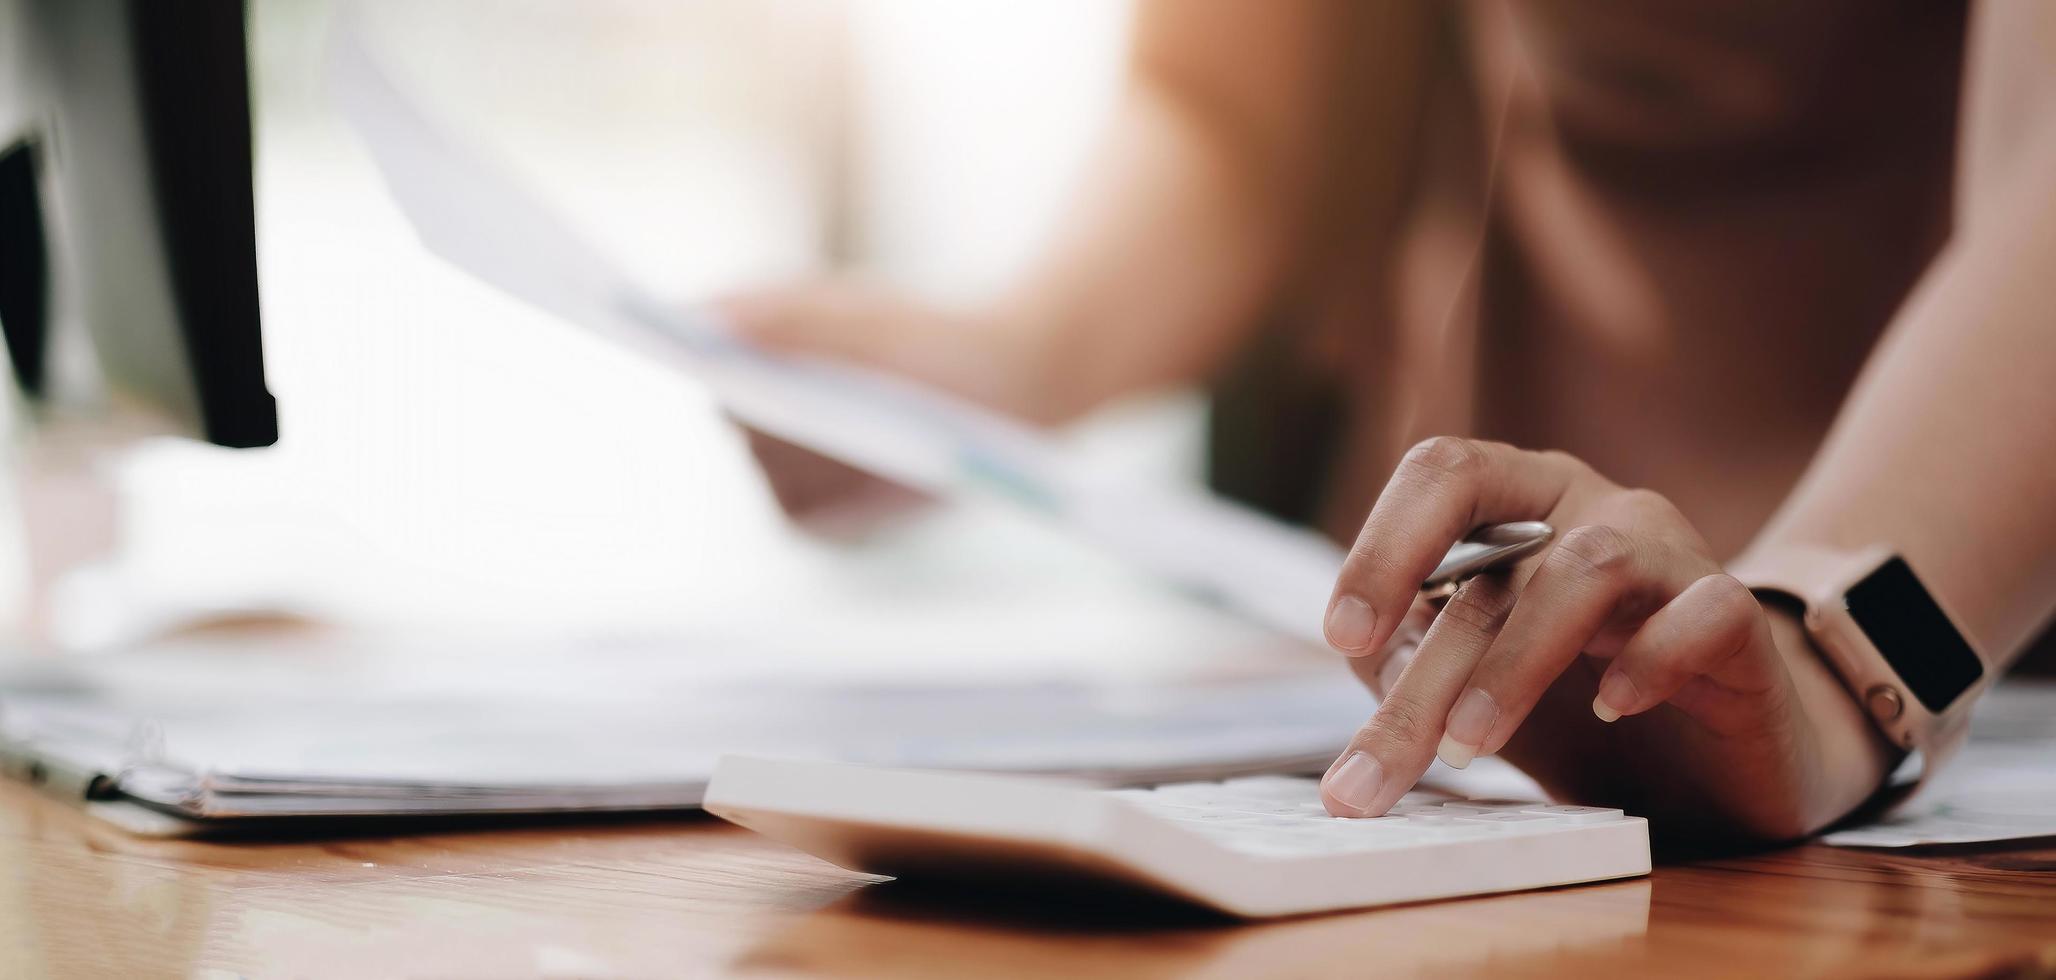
{"x":1851,"y":757}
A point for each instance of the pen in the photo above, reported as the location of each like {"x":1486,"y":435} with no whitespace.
{"x":1491,"y":547}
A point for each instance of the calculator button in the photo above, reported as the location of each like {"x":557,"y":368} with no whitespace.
{"x":1196,"y":815}
{"x":1434,"y":818}
{"x":1578,"y":814}
{"x":1508,"y":820}
{"x":1276,"y":808}
{"x":1283,"y":788}
{"x":1198,"y":794}
{"x":1488,"y":806}
{"x":1368,"y":835}
{"x":1425,"y":809}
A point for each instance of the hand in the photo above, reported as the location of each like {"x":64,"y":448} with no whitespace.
{"x":1620,"y":666}
{"x":969,"y":354}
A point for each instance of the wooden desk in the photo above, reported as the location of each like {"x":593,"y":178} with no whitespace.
{"x":694,"y":897}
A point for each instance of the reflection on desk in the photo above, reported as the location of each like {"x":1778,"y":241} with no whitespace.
{"x":696,"y":897}
{"x":909,"y":932}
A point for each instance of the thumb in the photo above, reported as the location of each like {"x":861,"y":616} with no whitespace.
{"x":830,"y":318}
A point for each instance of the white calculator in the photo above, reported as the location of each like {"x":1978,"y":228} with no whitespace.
{"x":1254,"y":847}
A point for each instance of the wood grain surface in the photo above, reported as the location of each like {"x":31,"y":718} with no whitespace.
{"x":695,"y":897}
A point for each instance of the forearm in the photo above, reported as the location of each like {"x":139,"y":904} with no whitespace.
{"x":1207,"y":194}
{"x":1164,"y":261}
{"x":1946,"y":449}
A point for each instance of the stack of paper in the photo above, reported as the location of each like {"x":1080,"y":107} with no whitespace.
{"x":363,"y":749}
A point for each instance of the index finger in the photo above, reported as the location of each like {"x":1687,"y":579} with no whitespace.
{"x":1442,"y":489}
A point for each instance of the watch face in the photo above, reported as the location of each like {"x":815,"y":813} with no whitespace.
{"x":1916,"y":638}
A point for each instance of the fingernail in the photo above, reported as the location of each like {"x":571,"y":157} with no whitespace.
{"x":1455,"y":754}
{"x":1350,"y":622}
{"x":1356,"y":781}
{"x":1617,"y":696}
{"x":1469,"y":724}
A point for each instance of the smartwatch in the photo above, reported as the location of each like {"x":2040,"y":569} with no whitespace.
{"x":1903,"y":658}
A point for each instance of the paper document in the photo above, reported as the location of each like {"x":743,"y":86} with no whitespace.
{"x":346,"y":747}
{"x":2001,"y":786}
{"x":481,"y":220}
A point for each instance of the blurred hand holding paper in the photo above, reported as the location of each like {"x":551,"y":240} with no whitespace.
{"x":481,"y":220}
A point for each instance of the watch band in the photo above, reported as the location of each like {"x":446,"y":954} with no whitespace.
{"x":1807,"y":573}
{"x":1820,"y":580}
